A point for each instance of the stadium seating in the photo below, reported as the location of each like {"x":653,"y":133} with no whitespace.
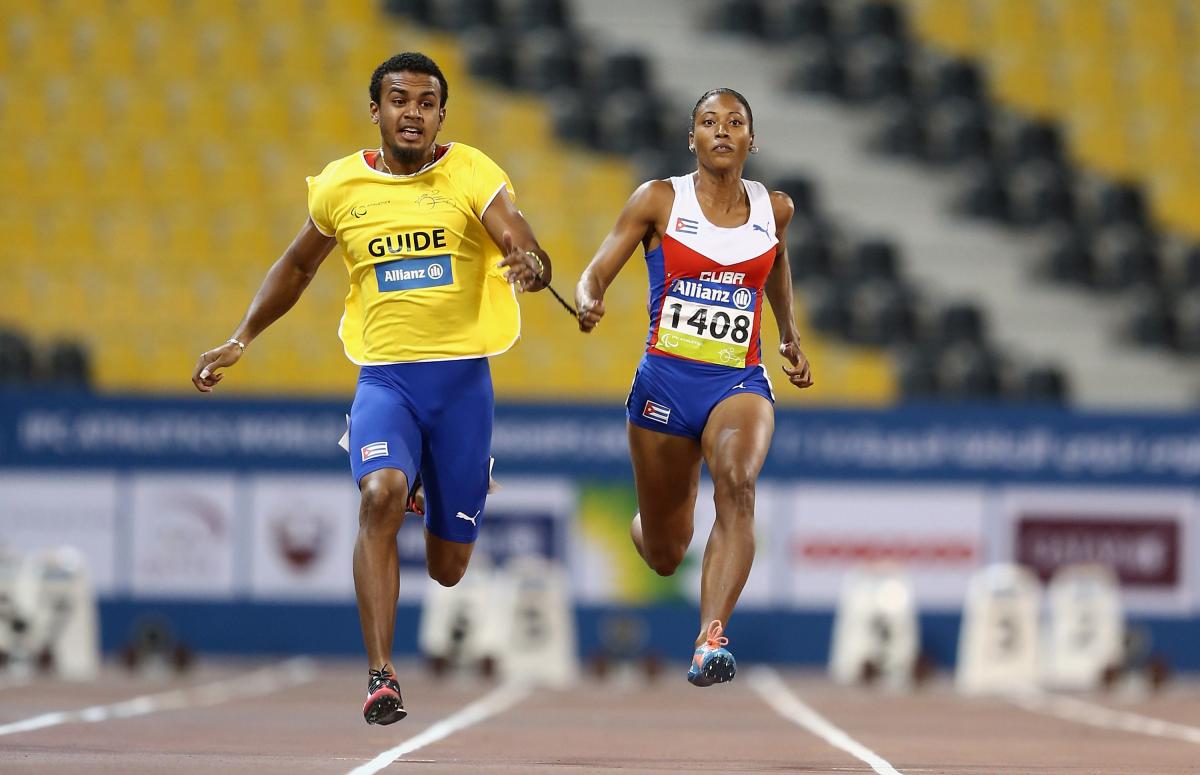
{"x":1074,"y":119}
{"x":1104,"y":152}
{"x":144,"y":210}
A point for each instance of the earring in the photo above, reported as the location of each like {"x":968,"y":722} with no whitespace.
{"x":754,"y":149}
{"x":691,"y":149}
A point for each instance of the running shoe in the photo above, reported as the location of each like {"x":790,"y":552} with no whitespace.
{"x":384,"y":704}
{"x":416,"y":498}
{"x":712,"y":663}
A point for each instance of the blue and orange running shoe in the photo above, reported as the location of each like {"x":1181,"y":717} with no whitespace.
{"x":384,"y":704}
{"x":712,"y":663}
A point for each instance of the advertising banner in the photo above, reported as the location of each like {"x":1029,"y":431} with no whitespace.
{"x":934,"y":443}
{"x":934,"y":533}
{"x":183,"y":535}
{"x":303,"y":530}
{"x":1145,"y":536}
{"x":41,"y":510}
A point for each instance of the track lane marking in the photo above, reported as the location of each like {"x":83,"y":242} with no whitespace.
{"x":1083,"y":712}
{"x":496,"y":701}
{"x":767,"y":683}
{"x":292,"y":672}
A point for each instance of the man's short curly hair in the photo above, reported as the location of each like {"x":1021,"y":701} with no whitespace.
{"x":413,"y":62}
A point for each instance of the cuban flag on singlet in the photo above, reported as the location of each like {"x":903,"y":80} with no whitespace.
{"x":686,"y":225}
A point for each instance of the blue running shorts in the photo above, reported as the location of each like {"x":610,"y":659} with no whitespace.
{"x":674,"y":395}
{"x":432,"y":418}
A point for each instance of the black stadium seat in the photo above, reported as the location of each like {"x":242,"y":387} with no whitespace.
{"x":810,"y":253}
{"x":802,"y":192}
{"x":489,"y":56}
{"x":1044,"y":384}
{"x":876,"y":68}
{"x":957,"y":130}
{"x":879,"y":19}
{"x":818,"y":71}
{"x":796,"y":19}
{"x":420,"y":11}
{"x":16,"y":358}
{"x":462,"y":15}
{"x":741,"y":17}
{"x":1040,"y":194}
{"x":541,"y":15}
{"x":1122,"y":257}
{"x":547,"y":60}
{"x":67,"y":365}
{"x":1186,"y":314}
{"x":1153,"y":322}
{"x":875,"y":259}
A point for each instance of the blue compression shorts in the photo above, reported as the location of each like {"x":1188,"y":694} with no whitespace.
{"x":673,"y":395}
{"x":435,"y":419}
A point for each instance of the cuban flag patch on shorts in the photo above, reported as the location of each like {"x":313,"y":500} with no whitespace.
{"x":373,"y":450}
{"x":656,"y":412}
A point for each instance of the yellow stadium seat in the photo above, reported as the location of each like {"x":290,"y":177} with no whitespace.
{"x":951,"y":25}
{"x":212,"y":112}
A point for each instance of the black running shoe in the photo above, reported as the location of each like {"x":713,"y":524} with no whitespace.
{"x":384,"y":704}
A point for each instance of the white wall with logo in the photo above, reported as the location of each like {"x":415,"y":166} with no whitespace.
{"x":290,"y":537}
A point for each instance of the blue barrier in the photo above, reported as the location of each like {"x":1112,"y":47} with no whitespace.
{"x":907,"y":443}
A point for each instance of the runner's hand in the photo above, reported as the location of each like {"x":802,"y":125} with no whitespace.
{"x":800,"y":374}
{"x":205,"y":376}
{"x":521,"y":268}
{"x":590,"y":312}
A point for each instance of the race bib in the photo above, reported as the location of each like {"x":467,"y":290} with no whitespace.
{"x":706,"y":321}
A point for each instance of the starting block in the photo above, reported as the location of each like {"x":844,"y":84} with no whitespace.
{"x":48,"y":614}
{"x":1086,"y":632}
{"x":516,"y":620}
{"x":998,"y":642}
{"x":875,"y":633}
{"x":460,"y":627}
{"x":539,"y":642}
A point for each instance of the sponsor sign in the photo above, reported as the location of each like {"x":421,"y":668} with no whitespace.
{"x":927,"y":443}
{"x":1142,"y":552}
{"x":1144,"y":536}
{"x":935,"y":534}
{"x":43,"y":510}
{"x":302,"y":536}
{"x":183,"y":535}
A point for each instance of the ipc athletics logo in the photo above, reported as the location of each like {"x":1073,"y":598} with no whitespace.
{"x":743,"y":298}
{"x":435,"y":271}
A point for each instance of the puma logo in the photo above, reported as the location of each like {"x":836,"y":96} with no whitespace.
{"x":468,"y":517}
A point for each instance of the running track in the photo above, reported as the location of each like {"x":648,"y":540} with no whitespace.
{"x":299,"y":716}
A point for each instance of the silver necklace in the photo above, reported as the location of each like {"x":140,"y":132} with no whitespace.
{"x":425,"y":166}
{"x":383,"y":161}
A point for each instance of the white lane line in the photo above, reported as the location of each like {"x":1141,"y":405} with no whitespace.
{"x":767,"y":683}
{"x":1083,"y":712}
{"x":292,"y":672}
{"x":496,"y":701}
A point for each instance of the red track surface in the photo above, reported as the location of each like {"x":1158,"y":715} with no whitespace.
{"x":625,"y":726}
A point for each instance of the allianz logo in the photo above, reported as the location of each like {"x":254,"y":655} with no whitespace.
{"x":432,"y":272}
